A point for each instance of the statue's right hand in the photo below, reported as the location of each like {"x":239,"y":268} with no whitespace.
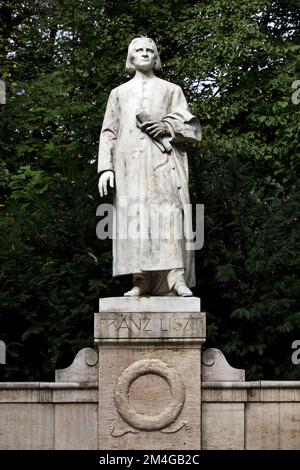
{"x":107,"y":176}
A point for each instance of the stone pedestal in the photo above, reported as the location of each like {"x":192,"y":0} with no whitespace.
{"x":149,"y":372}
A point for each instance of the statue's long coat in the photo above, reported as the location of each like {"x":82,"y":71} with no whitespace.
{"x":147,"y":177}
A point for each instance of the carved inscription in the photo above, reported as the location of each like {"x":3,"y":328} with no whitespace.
{"x":130,"y":324}
{"x":149,"y":325}
{"x":178,"y":324}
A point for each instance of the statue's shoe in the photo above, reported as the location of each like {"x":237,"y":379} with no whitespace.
{"x":182,"y":290}
{"x":135,"y":292}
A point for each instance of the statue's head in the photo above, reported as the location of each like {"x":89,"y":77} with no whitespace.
{"x":138,"y":49}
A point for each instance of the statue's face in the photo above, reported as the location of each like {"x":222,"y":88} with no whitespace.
{"x":143,"y":55}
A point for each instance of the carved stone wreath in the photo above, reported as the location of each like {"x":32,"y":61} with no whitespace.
{"x":142,"y":421}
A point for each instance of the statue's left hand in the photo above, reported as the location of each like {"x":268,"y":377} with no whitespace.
{"x":155,"y":129}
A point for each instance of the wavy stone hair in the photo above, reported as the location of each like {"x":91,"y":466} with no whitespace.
{"x":130,"y":68}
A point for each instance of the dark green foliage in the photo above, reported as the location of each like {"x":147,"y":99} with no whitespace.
{"x":236,"y":62}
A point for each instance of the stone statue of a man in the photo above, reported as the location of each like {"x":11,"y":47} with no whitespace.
{"x":141,"y":153}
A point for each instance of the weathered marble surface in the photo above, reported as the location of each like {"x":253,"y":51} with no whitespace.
{"x":146,"y":304}
{"x":223,"y":426}
{"x":215,"y":368}
{"x":150,"y":373}
{"x":149,"y":319}
{"x":47,"y":415}
{"x":140,"y":153}
{"x":83,"y":368}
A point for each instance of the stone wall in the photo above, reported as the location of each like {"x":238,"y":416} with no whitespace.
{"x":235,"y":414}
{"x":239,"y":415}
{"x":251,"y":415}
{"x":48,"y":416}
